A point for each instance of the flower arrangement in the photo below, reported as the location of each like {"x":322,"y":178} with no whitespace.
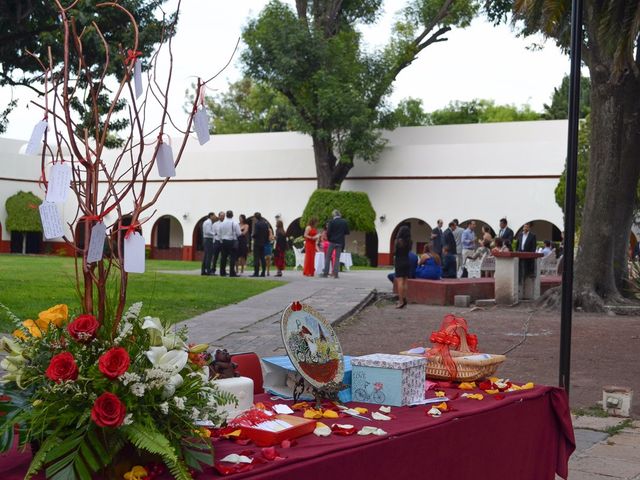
{"x":82,"y":395}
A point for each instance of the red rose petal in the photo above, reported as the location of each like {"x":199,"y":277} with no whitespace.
{"x":498,"y":396}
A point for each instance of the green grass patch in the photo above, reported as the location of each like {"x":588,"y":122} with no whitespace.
{"x":592,"y":411}
{"x":615,"y":429}
{"x":30,"y":284}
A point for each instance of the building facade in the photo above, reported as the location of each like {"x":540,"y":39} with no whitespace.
{"x":481,"y":171}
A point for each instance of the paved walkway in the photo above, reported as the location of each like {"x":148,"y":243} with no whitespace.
{"x":254,"y":324}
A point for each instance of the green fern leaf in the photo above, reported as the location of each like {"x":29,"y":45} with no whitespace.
{"x":40,"y":456}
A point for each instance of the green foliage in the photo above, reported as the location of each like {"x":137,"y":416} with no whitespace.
{"x":249,"y":107}
{"x":314,"y":57}
{"x":35,"y":26}
{"x":22,"y":213}
{"x":355,"y":207}
{"x":584,"y":133}
{"x":481,"y":111}
{"x":408,"y":113}
{"x":360,"y":260}
{"x":559,"y":108}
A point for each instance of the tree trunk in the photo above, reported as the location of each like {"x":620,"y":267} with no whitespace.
{"x":614,"y":170}
{"x":329,"y":170}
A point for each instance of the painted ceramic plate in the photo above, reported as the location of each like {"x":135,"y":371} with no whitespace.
{"x":312,"y":345}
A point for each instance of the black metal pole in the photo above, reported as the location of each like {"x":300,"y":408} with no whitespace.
{"x":570,"y":195}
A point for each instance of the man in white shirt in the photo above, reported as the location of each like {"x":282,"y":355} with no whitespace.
{"x":207,"y":241}
{"x":457,"y":235}
{"x":217,"y":242}
{"x":229,"y":232}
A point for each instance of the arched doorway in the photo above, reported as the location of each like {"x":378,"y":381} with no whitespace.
{"x":420,"y":234}
{"x":479,"y":225}
{"x":167,"y":239}
{"x":197,"y":251}
{"x":26,"y":242}
{"x":543,"y":230}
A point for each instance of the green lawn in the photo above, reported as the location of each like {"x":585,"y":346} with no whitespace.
{"x":30,"y":284}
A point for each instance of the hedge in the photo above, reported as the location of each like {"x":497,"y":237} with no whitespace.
{"x":22,"y":213}
{"x":355,"y":207}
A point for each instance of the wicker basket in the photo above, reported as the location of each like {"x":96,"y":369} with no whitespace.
{"x":468,"y":370}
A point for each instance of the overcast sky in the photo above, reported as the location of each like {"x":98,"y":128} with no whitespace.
{"x":481,"y":61}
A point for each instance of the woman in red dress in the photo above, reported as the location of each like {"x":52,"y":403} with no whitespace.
{"x":310,"y":239}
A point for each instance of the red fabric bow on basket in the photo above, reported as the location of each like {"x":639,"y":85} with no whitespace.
{"x":453,"y":334}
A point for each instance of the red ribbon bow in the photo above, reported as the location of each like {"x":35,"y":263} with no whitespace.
{"x":131,"y":56}
{"x":449,"y":337}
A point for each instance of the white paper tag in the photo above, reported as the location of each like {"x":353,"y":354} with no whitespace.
{"x":201,"y":125}
{"x":137,"y":78}
{"x":282,"y":409}
{"x":51,"y":224}
{"x":59,"y":183}
{"x":164,"y":160}
{"x":34,"y":147}
{"x":96,"y":243}
{"x":134,"y":253}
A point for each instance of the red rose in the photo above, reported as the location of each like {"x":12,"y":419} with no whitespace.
{"x":114,"y":362}
{"x":83,"y":328}
{"x":62,"y":367}
{"x":108,"y":411}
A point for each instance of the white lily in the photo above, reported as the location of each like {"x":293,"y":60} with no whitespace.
{"x":171,"y":341}
{"x":172,"y":384}
{"x":153,"y":323}
{"x":169,"y":360}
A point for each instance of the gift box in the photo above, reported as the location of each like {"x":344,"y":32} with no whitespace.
{"x":387,"y":379}
{"x":265,"y":438}
{"x":279,"y":377}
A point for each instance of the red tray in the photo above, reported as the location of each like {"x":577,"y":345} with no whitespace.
{"x":263,"y":438}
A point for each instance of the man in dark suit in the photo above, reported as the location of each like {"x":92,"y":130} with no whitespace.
{"x":436,"y":239}
{"x":260,"y":237}
{"x":527,"y":243}
{"x":506,"y":234}
{"x":336,"y":231}
{"x":449,"y":241}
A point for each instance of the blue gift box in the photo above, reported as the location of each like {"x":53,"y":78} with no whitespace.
{"x":276,"y":369}
{"x":386,"y":379}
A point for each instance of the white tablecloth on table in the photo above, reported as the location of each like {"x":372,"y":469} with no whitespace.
{"x":345,"y":259}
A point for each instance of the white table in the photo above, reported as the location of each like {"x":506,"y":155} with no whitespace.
{"x":345,"y":259}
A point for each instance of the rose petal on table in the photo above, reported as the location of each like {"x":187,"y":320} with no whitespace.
{"x":343,"y":429}
{"x":492,"y":391}
{"x":368,"y":430}
{"x":361,"y":410}
{"x":499,"y":397}
{"x":385,"y":409}
{"x":322,"y":430}
{"x":527,"y":386}
{"x":442,"y":406}
{"x":229,"y":469}
{"x":380,"y":416}
{"x":312,"y":413}
{"x":235,"y":458}
{"x":330,"y":414}
{"x":440,"y":393}
{"x":300,"y":405}
{"x":270,"y":453}
{"x":473,"y":396}
{"x":287,"y":443}
{"x":434,"y":412}
{"x":467,"y":386}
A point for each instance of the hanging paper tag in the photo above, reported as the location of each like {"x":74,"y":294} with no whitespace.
{"x":137,"y":78}
{"x":201,"y":125}
{"x":134,"y":253}
{"x":96,"y":243}
{"x":164,"y":159}
{"x":51,"y":224}
{"x":59,"y":183}
{"x":34,"y":146}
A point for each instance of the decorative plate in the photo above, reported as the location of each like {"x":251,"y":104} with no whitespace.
{"x":312,"y":345}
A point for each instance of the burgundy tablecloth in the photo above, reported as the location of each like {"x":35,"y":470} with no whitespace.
{"x":526,"y":436}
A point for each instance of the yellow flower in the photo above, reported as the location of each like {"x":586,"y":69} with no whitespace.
{"x":136,"y":473}
{"x":57,"y":315}
{"x":36,"y":328}
{"x":19,"y":334}
{"x":330,"y":414}
{"x":312,"y":413}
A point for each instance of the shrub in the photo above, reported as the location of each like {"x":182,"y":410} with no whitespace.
{"x":22,"y":213}
{"x":360,"y":260}
{"x":355,"y":207}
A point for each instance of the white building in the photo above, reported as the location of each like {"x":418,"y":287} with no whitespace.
{"x":480,"y":171}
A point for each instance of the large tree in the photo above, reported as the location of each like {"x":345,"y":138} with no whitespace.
{"x":30,"y":28}
{"x":610,"y":51}
{"x":314,"y":57}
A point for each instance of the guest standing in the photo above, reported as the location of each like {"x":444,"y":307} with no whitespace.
{"x":527,"y":243}
{"x":401,"y":262}
{"x":281,"y":248}
{"x":506,"y":234}
{"x":449,"y":266}
{"x":243,"y":243}
{"x":260,"y":237}
{"x":457,"y":234}
{"x":268,"y":251}
{"x":310,"y":240}
{"x":229,"y":232}
{"x":207,"y":240}
{"x":468,"y":240}
{"x":337,"y":230}
{"x":217,"y":241}
{"x":437,"y":239}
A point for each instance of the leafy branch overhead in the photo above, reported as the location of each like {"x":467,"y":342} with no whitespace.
{"x":314,"y":57}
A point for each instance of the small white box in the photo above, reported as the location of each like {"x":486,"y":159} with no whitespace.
{"x":617,"y":400}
